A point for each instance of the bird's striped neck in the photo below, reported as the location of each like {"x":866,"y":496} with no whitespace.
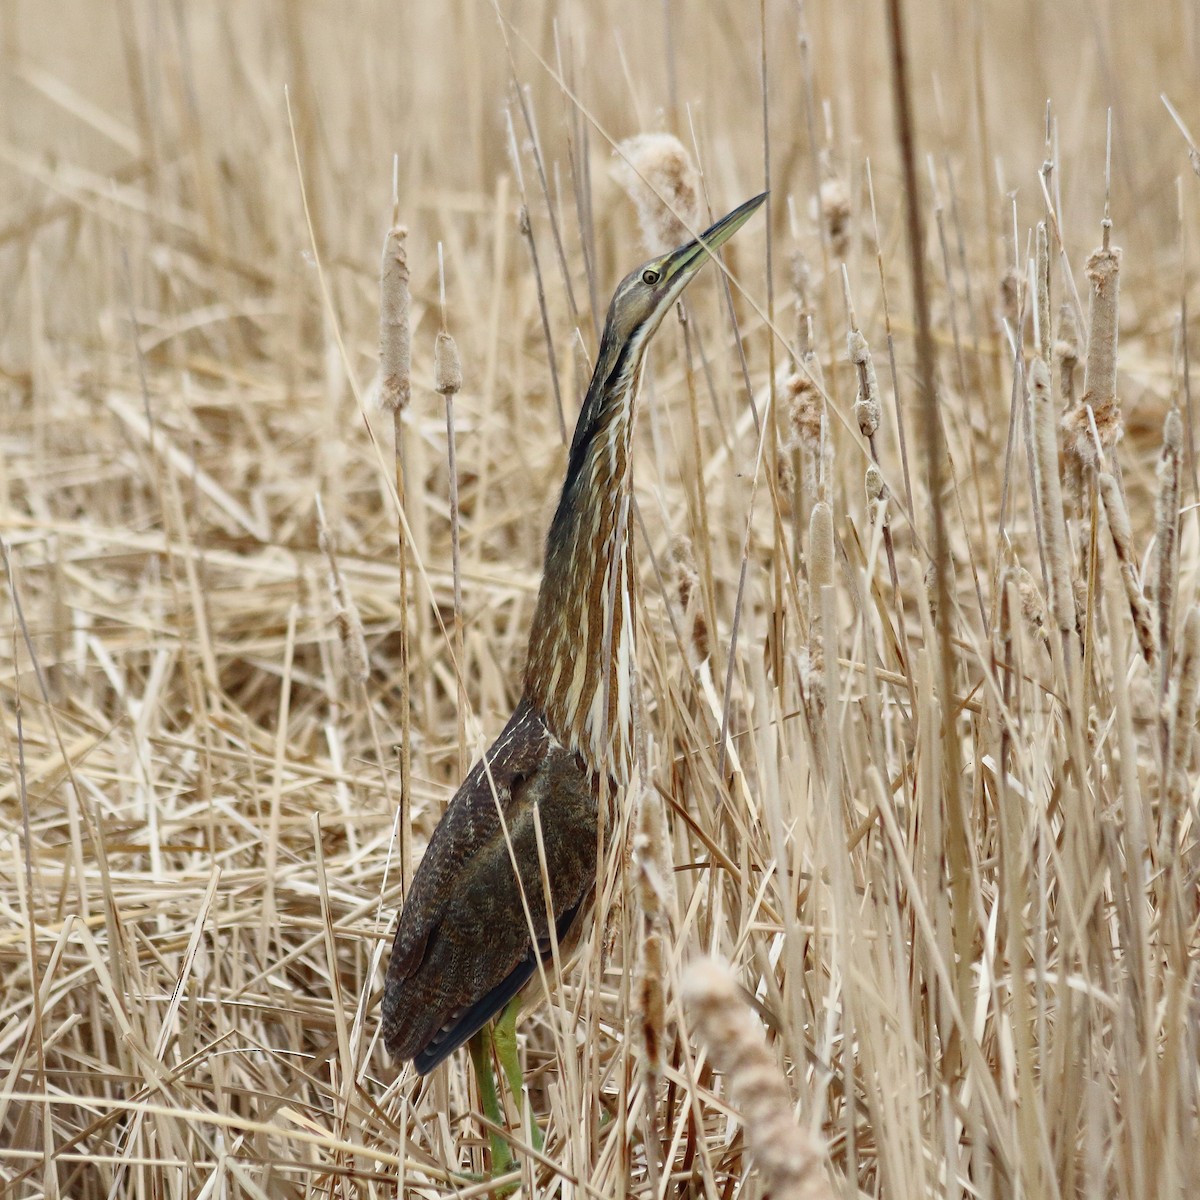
{"x":579,"y":670}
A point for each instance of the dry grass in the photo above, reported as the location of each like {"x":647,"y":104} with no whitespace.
{"x":945,"y":833}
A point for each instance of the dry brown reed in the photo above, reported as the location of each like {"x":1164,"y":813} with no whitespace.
{"x":951,"y":864}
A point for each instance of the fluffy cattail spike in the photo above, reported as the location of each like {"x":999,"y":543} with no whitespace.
{"x":653,"y":168}
{"x":790,"y":1160}
{"x":395,"y":333}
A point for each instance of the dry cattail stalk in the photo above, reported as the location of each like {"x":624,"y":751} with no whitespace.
{"x":1122,"y":539}
{"x":345,"y":611}
{"x":395,"y":335}
{"x":791,"y":1161}
{"x":658,"y":175}
{"x":867,"y":408}
{"x":1048,"y":492}
{"x":1100,"y":370}
{"x":1165,"y":564}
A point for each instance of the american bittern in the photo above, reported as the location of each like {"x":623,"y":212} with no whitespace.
{"x":475,"y":923}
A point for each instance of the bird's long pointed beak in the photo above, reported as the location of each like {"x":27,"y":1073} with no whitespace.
{"x":690,"y":257}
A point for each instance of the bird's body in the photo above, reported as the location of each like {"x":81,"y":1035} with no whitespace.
{"x":477,"y":918}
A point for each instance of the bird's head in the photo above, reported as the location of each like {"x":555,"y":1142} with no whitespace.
{"x":644,"y":295}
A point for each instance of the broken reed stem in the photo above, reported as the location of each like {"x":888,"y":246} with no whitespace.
{"x":791,"y":1161}
{"x":395,"y":392}
{"x":1127,"y":562}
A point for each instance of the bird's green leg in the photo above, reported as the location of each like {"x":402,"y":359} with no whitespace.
{"x":480,"y":1046}
{"x":505,"y":1037}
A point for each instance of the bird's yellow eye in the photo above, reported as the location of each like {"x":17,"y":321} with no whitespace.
{"x":650,"y":277}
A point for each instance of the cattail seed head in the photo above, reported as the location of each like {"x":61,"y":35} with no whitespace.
{"x":447,"y":370}
{"x":1100,"y":371}
{"x":650,"y":1005}
{"x":658,"y":175}
{"x":395,"y":334}
{"x":820,"y":547}
{"x":867,"y":409}
{"x":805,"y":407}
{"x":791,"y":1162}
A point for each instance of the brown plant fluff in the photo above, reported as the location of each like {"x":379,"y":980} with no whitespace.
{"x":1010,"y":297}
{"x":867,"y":409}
{"x":833,"y":199}
{"x":1100,"y":370}
{"x":447,"y":369}
{"x":653,"y":168}
{"x":687,"y":589}
{"x":877,"y":494}
{"x":1164,"y":569}
{"x":805,"y":407}
{"x":1048,"y":492}
{"x":395,"y":333}
{"x":1122,"y":539}
{"x":792,"y":1163}
{"x":1033,"y":606}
